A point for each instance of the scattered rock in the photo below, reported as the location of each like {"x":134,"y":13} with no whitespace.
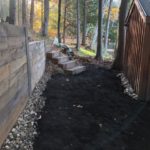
{"x":128,"y":89}
{"x":67,"y":80}
{"x":78,"y":106}
{"x":100,"y":125}
{"x":99,"y":86}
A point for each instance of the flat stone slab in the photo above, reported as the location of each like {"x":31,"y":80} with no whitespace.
{"x":53,"y":54}
{"x":68,"y":65}
{"x":76,"y":70}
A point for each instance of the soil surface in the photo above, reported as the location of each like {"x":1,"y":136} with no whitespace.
{"x":91,"y":112}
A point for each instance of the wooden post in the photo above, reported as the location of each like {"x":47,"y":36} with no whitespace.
{"x":28,"y":62}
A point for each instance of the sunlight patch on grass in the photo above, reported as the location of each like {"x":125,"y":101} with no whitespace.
{"x":86,"y":52}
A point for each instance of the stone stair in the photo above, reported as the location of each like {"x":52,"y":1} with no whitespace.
{"x":69,"y":66}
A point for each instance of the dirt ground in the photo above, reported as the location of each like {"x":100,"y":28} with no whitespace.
{"x":91,"y":112}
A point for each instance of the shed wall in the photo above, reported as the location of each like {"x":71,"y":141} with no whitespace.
{"x":136,"y":53}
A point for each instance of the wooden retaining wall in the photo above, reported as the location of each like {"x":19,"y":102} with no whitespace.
{"x":13,"y":76}
{"x":38,"y":59}
{"x":16,"y":74}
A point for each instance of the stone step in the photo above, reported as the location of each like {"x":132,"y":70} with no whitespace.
{"x":76,"y":70}
{"x":68,"y":65}
{"x":53,"y":54}
{"x":61,"y":59}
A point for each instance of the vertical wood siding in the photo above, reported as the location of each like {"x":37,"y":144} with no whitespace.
{"x":136,"y":53}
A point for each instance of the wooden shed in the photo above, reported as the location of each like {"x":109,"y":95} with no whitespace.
{"x":136,"y":61}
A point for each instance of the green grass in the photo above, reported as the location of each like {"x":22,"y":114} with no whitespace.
{"x":85,"y":52}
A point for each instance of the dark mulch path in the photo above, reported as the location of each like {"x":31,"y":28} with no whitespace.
{"x":90,"y":112}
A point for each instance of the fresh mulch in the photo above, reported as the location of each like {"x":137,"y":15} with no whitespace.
{"x":91,"y":112}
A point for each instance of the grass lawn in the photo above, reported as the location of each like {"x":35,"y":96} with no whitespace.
{"x":85,"y":52}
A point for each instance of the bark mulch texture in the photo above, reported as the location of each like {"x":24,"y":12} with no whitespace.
{"x":91,"y":112}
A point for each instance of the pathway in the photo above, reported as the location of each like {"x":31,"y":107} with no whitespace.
{"x":89,"y":111}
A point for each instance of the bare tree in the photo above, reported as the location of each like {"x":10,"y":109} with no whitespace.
{"x":59,"y":21}
{"x":32,"y":14}
{"x":12,"y":11}
{"x":46,"y":18}
{"x":94,"y":40}
{"x":121,"y":43}
{"x":42,"y":13}
{"x":65,"y":17}
{"x":78,"y":25}
{"x":100,"y":23}
{"x":108,"y":24}
{"x":24,"y":12}
{"x":84,"y":22}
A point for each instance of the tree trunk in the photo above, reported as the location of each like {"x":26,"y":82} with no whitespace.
{"x":32,"y":14}
{"x":121,"y":43}
{"x":108,"y":25}
{"x":78,"y":24}
{"x":24,"y":12}
{"x":46,"y":18}
{"x":100,"y":23}
{"x":12,"y":11}
{"x":42,"y":13}
{"x":65,"y":17}
{"x":59,"y":21}
{"x":94,"y":40}
{"x":84,"y":22}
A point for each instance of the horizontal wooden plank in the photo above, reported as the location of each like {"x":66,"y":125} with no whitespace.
{"x":17,"y":53}
{"x":10,"y":121}
{"x":14,"y":77}
{"x":5,"y":112}
{"x":11,"y":36}
{"x":3,"y":33}
{"x":8,"y":95}
{"x":4,"y":72}
{"x":38,"y":59}
{"x":4,"y":57}
{"x":13,"y":31}
{"x":3,"y":43}
{"x":37,"y":73}
{"x":22,"y":80}
{"x":16,"y":64}
{"x":15,"y":42}
{"x":4,"y":85}
{"x":8,"y":55}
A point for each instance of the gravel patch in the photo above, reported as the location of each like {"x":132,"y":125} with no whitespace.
{"x":128,"y":88}
{"x":23,"y":133}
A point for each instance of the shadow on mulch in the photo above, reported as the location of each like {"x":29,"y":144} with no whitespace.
{"x":91,"y":112}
